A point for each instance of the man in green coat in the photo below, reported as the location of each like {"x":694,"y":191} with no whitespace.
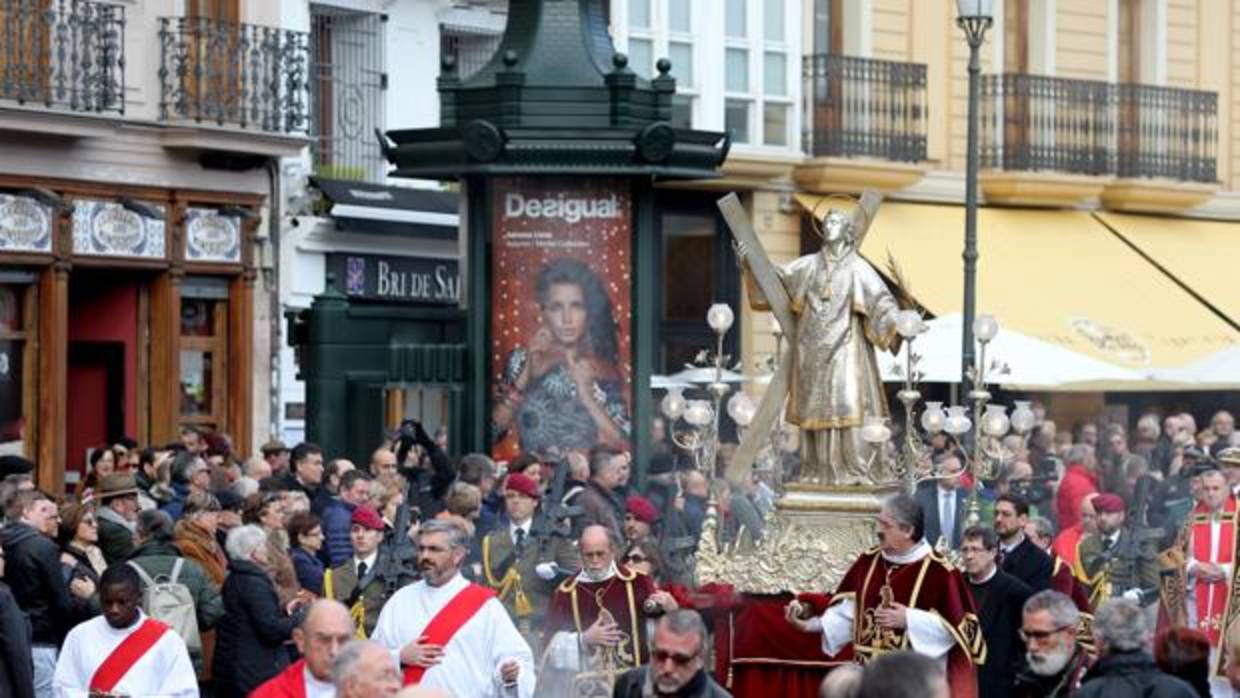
{"x":366,"y":580}
{"x":118,"y":508}
{"x":156,"y":556}
{"x":1115,"y":566}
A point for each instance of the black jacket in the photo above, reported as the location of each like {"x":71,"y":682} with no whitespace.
{"x":16,"y":667}
{"x":999,"y":602}
{"x":1125,"y":674}
{"x":1027,"y":684}
{"x":928,"y":499}
{"x":34,"y":573}
{"x":630,"y":684}
{"x":249,"y":643}
{"x":1030,"y":564}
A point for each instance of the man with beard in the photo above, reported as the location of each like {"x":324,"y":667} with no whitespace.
{"x":1018,"y":556}
{"x":123,"y":652}
{"x":901,"y":595}
{"x":1109,"y":569}
{"x":449,"y":633}
{"x":677,"y":667}
{"x":1054,"y":663}
{"x":595,"y":626}
{"x":999,"y":597}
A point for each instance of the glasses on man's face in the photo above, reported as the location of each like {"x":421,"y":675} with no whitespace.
{"x":1040,"y":635}
{"x":661,"y":656}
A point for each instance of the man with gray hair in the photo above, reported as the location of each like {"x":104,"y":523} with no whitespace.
{"x":365,"y":669}
{"x":1124,"y":666}
{"x":677,"y":662}
{"x":1055,"y":663}
{"x":450,"y":633}
{"x":920,"y":601}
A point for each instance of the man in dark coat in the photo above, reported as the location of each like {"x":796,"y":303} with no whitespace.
{"x":250,"y":638}
{"x":118,"y":510}
{"x":999,"y":598}
{"x":600,"y":503}
{"x":943,"y":503}
{"x":16,"y":666}
{"x":1055,"y":663}
{"x":677,"y":662}
{"x":1124,"y":667}
{"x":33,"y":572}
{"x":1018,"y":555}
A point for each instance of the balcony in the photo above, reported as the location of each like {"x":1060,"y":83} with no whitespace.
{"x":233,"y":87}
{"x":64,"y":56}
{"x":1057,"y":141}
{"x":865,"y":123}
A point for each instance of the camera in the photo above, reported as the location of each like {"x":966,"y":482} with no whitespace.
{"x":1034,"y":490}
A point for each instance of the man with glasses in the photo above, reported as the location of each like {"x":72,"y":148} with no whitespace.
{"x":999,"y":597}
{"x":1055,"y":664}
{"x":677,"y":662}
{"x":118,"y":513}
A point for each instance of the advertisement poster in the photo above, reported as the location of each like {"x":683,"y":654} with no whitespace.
{"x":561,"y":306}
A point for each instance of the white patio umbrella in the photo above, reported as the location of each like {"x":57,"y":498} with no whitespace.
{"x":1032,"y":363}
{"x":1220,"y":370}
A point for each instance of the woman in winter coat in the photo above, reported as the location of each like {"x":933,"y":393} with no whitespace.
{"x":79,"y":543}
{"x":195,"y":535}
{"x":250,"y":637}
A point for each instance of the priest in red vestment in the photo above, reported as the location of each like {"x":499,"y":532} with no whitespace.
{"x":326,"y":628}
{"x":901,"y":595}
{"x":596,"y":627}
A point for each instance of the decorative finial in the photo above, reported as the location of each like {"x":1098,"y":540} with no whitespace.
{"x":664,"y":66}
{"x":510,"y":58}
{"x":619,"y":60}
{"x":448,"y":63}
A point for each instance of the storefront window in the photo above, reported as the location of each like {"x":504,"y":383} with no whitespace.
{"x":13,"y":336}
{"x":196,"y":383}
{"x":204,"y":351}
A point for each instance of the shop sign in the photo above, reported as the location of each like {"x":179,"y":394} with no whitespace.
{"x":109,"y":229}
{"x":211,"y":237}
{"x":405,"y":279}
{"x":25,"y":225}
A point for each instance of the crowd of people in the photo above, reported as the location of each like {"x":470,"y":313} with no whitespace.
{"x":186,"y":569}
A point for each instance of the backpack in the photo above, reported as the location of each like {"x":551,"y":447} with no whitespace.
{"x":167,"y":600}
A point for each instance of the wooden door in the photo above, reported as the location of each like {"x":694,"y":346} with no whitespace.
{"x":213,"y":37}
{"x":25,"y":50}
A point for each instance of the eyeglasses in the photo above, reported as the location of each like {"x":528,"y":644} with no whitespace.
{"x":636,"y":558}
{"x":1040,"y":635}
{"x":661,"y":656}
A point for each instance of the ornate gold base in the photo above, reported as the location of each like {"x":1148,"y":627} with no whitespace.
{"x":810,"y":541}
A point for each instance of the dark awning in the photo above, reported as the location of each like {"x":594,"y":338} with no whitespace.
{"x":374,"y":208}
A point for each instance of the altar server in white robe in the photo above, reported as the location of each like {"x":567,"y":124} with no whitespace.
{"x":123,"y":652}
{"x":449,"y":633}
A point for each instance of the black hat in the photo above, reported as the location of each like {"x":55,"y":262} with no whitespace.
{"x":229,"y":500}
{"x":15,"y":465}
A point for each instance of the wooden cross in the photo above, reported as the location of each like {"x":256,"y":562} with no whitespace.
{"x":767,"y":279}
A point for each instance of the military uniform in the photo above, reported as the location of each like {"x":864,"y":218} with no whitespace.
{"x":524,"y":594}
{"x":1109,"y":574}
{"x":341,"y":581}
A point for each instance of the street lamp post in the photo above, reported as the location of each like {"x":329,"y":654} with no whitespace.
{"x":974,"y":17}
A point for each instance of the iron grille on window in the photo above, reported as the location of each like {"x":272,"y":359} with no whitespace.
{"x":472,"y":47}
{"x":232,"y":74}
{"x":63,"y":53}
{"x":1036,"y":122}
{"x":347,"y":88}
{"x":864,"y":107}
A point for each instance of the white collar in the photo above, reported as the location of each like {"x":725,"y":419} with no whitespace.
{"x":909,"y":556}
{"x":123,"y":631}
{"x":611,"y":572}
{"x":1009,"y":547}
{"x":369,"y":560}
{"x":314,"y":687}
{"x":512,"y":527}
{"x":452,"y":586}
{"x":993,"y":571}
{"x":946,"y":493}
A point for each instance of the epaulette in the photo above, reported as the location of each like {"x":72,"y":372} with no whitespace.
{"x":941,"y":559}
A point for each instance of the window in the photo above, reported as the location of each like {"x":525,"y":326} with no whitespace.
{"x":775,"y":74}
{"x":204,"y":352}
{"x":681,"y":56}
{"x":736,"y":119}
{"x":736,"y":70}
{"x":773,"y":20}
{"x":641,"y":57}
{"x":16,"y":327}
{"x":679,"y":18}
{"x":775,"y":123}
{"x":664,"y":29}
{"x":639,"y":13}
{"x":734,"y":18}
{"x":347,"y":85}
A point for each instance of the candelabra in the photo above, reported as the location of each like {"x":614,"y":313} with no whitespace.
{"x":700,"y":437}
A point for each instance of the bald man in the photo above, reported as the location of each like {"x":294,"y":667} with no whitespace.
{"x":326,"y":628}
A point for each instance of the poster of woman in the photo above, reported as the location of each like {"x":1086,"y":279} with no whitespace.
{"x":561,"y":371}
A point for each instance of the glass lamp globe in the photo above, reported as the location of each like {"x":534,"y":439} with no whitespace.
{"x":933,"y":419}
{"x":909,"y":324}
{"x":720,"y":317}
{"x":995,"y":421}
{"x":673,"y":404}
{"x":957,"y":421}
{"x":981,"y":9}
{"x":985,"y":327}
{"x":1023,"y":417}
{"x":875,"y":431}
{"x":741,"y":409}
{"x":699,"y":413}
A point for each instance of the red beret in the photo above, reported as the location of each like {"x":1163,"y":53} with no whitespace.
{"x":367,"y":518}
{"x":1108,"y":503}
{"x":641,"y":509}
{"x":523,"y":484}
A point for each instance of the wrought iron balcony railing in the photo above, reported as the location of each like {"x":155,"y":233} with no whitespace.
{"x":233,"y":74}
{"x":862,"y":107}
{"x":67,"y":54}
{"x":1035,"y":122}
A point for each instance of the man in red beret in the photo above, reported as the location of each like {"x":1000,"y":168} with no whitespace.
{"x":513,"y":552}
{"x":640,"y":516}
{"x":366,"y":580}
{"x":1112,"y":565}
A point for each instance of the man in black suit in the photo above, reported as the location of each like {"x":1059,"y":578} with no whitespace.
{"x":999,"y":598}
{"x":1018,"y":556}
{"x":943,"y":504}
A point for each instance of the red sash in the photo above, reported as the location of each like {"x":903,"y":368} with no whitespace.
{"x":1212,"y":598}
{"x":450,"y":618}
{"x":125,"y":655}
